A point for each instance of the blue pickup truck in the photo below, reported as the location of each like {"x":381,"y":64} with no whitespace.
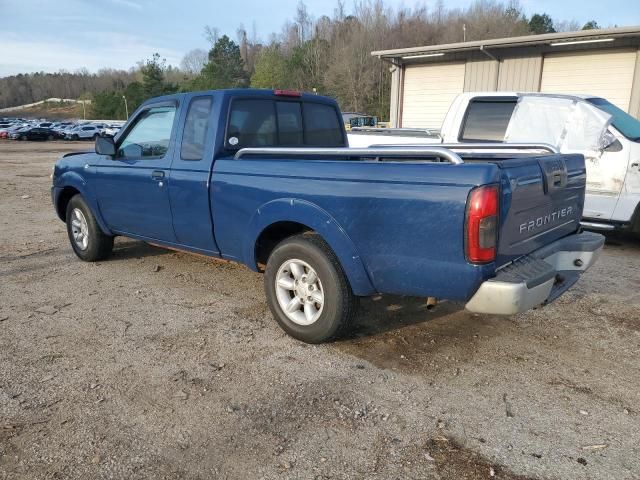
{"x":266,"y":178}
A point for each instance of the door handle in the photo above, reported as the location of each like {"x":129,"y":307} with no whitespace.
{"x":157,"y":175}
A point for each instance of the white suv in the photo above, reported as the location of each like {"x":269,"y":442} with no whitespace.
{"x":83,"y":132}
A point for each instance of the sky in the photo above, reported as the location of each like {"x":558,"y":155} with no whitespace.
{"x":50,"y":35}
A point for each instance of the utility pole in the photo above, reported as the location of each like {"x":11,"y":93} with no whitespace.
{"x":464,"y":32}
{"x":84,"y":111}
{"x":126,"y":107}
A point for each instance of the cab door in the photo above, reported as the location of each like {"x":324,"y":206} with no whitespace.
{"x":189,"y":190}
{"x":606,"y":171}
{"x":132,"y":187}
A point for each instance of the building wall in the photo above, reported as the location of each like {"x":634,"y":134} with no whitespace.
{"x":521,"y":74}
{"x":395,"y":112}
{"x":429,"y":92}
{"x":481,"y":75}
{"x":516,"y":69}
{"x":634,"y":103}
{"x":608,"y":74}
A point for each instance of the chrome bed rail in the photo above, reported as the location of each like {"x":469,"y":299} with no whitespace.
{"x":414,"y":151}
{"x":478,"y":146}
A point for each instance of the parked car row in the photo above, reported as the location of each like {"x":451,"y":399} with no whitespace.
{"x":21,"y":129}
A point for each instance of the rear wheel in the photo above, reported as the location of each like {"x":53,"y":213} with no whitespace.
{"x":307,"y":291}
{"x":86,"y":237}
{"x":23,"y":137}
{"x":74,"y":136}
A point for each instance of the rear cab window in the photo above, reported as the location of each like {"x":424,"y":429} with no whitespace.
{"x":196,"y":129}
{"x":264,"y":122}
{"x":486,"y":120}
{"x":322,"y":128}
{"x":289,"y":116}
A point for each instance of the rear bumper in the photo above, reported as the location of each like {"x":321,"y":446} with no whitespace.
{"x":538,"y":278}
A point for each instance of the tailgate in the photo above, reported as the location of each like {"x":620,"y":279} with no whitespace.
{"x":542,"y":201}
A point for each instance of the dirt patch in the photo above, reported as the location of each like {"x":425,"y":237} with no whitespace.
{"x":454,"y":462}
{"x":157,"y":364}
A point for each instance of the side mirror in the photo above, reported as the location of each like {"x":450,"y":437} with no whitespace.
{"x":105,"y":146}
{"x":609,"y":142}
{"x":133,"y":150}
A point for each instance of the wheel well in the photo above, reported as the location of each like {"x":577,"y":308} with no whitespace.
{"x":63,"y":200}
{"x":635,"y":220}
{"x":272,"y":236}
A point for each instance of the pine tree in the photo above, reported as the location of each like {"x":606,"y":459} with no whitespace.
{"x":153,"y":76}
{"x":541,"y":24}
{"x":225,"y":68}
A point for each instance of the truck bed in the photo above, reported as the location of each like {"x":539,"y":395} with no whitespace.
{"x":396,"y":213}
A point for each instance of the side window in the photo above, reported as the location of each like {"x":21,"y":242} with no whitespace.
{"x":487,"y":120}
{"x":150,"y":135}
{"x":196,"y":128}
{"x":252,"y":123}
{"x":289,"y":123}
{"x":322,"y":126}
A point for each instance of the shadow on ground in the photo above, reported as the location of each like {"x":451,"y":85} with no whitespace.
{"x":126,"y":249}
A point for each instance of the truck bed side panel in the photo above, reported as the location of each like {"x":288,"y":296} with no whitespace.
{"x":405,"y":219}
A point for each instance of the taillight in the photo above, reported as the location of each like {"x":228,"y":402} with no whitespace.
{"x":482,"y":224}
{"x":287,"y":93}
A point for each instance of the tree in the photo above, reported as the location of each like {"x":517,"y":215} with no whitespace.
{"x":212,"y":34}
{"x":111,"y":104}
{"x":194,"y":61}
{"x":270,"y":70}
{"x":134,"y":93}
{"x":105,"y":105}
{"x":541,"y":24}
{"x":566,"y":26}
{"x":591,"y":25}
{"x":152,"y":71}
{"x":302,"y":22}
{"x":225,"y":68}
{"x":330,"y":53}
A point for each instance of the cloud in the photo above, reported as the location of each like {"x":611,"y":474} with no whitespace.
{"x":128,"y":3}
{"x":119,"y":51}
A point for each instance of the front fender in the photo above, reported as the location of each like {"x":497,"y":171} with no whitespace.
{"x":74,"y":180}
{"x":313,"y":216}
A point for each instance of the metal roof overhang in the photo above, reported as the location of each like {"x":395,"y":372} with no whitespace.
{"x":583,"y":36}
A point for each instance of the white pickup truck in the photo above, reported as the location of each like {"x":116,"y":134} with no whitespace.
{"x":570,"y":123}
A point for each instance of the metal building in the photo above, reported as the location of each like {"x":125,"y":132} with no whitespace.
{"x":425,"y":80}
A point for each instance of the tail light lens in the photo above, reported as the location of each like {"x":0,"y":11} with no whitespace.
{"x":482,"y":224}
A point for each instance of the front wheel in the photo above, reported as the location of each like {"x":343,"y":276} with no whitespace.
{"x":307,"y":291}
{"x":87,"y":240}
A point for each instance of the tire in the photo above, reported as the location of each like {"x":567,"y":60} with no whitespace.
{"x":86,"y":237}
{"x":95,"y":137}
{"x":311,"y":321}
{"x":74,"y":137}
{"x":23,"y":137}
{"x":50,"y":137}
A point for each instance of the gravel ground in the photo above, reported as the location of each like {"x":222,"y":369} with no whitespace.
{"x":158,"y":364}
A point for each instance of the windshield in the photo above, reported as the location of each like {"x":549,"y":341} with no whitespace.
{"x":624,"y":123}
